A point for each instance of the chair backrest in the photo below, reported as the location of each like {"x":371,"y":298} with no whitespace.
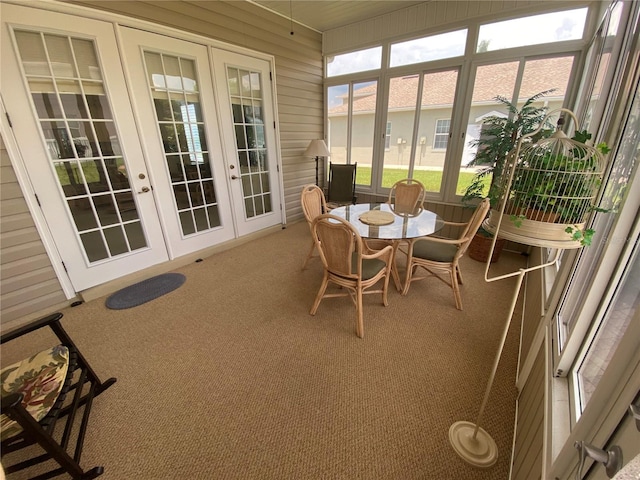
{"x":338,"y":241}
{"x":313,"y":202}
{"x":406,"y":195}
{"x":342,"y":182}
{"x":473,"y":225}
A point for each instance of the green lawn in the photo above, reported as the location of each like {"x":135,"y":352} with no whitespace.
{"x":431,"y":179}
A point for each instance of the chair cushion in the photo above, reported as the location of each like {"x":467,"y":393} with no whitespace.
{"x":434,"y":251}
{"x":40,"y":378}
{"x":370,"y":266}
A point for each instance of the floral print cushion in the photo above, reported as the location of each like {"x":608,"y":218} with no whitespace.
{"x":40,"y":378}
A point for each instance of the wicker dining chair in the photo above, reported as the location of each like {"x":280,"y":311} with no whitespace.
{"x":349,"y":264}
{"x":442,"y":255}
{"x":406,"y":195}
{"x":313,"y":204}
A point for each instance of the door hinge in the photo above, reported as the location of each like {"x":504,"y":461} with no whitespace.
{"x":270,"y":77}
{"x":274,"y":124}
{"x":9,"y":119}
{"x":65,"y":267}
{"x":37,"y":199}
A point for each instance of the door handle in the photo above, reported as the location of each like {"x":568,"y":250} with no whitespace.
{"x":144,"y":190}
{"x":233,"y":177}
{"x":611,"y":459}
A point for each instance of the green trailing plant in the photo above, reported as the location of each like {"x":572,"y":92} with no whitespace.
{"x":499,"y":136}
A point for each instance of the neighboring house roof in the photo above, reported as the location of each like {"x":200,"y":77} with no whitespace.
{"x":439,"y":89}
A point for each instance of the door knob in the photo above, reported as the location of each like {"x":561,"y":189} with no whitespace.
{"x":233,"y":177}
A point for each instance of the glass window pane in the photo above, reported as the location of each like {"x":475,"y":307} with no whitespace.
{"x":403,"y":97}
{"x":360,"y":61}
{"x":612,"y":328}
{"x":490,"y":100}
{"x":362,"y":126}
{"x":338,"y":98}
{"x":533,"y":30}
{"x":434,"y":47}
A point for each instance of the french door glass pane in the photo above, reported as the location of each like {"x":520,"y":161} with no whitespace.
{"x":174,"y":84}
{"x":65,"y":81}
{"x":245,"y":90}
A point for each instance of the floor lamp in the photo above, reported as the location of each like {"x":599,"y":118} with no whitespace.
{"x":317,"y":149}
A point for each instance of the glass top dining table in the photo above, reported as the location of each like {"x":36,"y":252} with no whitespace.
{"x":419,"y":223}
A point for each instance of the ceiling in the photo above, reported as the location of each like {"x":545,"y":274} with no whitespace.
{"x":322,"y":15}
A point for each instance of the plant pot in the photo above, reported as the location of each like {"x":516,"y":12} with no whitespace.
{"x":532,"y":232}
{"x":481,"y":245}
{"x":541,"y":216}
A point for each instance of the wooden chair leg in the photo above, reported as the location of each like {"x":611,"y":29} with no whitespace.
{"x":323,"y":288}
{"x":456,"y":289}
{"x":359,"y":313}
{"x":310,"y":254}
{"x":407,"y":280}
{"x":385,"y":288}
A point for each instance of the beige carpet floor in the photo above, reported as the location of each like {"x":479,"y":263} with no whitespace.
{"x":229,"y":377}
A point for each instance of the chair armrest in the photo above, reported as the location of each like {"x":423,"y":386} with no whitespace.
{"x":455,"y":224}
{"x":31,"y":327}
{"x":385,"y":252}
{"x":449,"y":241}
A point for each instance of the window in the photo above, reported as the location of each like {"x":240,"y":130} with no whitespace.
{"x":426,"y":106}
{"x":533,"y":30}
{"x":434,"y":47}
{"x":351,"y":124}
{"x":416,"y":104}
{"x":441,"y":137}
{"x":353,"y":62}
{"x":519,"y":80}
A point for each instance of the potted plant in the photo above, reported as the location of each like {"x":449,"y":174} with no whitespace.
{"x":499,"y":136}
{"x":553,"y":184}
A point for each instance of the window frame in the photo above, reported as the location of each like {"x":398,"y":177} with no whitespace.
{"x":437,"y":135}
{"x":454,"y":153}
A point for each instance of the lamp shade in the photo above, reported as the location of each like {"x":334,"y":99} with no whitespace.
{"x":317,"y":148}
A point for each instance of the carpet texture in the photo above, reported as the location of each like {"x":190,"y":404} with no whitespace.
{"x":232,"y":379}
{"x":145,"y":291}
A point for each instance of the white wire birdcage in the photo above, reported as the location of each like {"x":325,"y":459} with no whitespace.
{"x":548,"y":190}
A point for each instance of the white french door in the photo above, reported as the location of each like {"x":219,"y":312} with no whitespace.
{"x":71,"y":118}
{"x":248,"y":127}
{"x":173,"y":96}
{"x":123,"y":147}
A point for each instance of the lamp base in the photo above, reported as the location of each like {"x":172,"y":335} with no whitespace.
{"x":480,"y":451}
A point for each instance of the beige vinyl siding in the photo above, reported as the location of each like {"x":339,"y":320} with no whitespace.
{"x":28,"y":283}
{"x":529,"y":434}
{"x":298,"y":63}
